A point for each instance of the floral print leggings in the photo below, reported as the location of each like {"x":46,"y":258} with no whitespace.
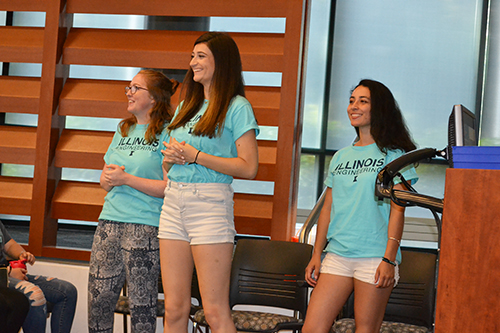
{"x":123,"y":251}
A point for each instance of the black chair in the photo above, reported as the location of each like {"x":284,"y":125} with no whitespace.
{"x":412,"y":303}
{"x":268,"y":273}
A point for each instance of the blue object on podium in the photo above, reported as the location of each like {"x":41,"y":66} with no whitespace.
{"x":470,"y":157}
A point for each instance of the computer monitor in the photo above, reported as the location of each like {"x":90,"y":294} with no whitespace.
{"x":462,"y":127}
{"x":462,"y":130}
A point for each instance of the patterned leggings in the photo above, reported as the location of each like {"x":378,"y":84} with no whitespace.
{"x":123,"y":250}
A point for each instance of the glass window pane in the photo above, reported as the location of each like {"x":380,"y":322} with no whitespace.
{"x":17,"y":170}
{"x":314,"y":90}
{"x":3,"y":17}
{"x":29,"y":19}
{"x":104,"y":21}
{"x":248,"y":24}
{"x":21,"y":119}
{"x":328,"y":159}
{"x":24,"y":69}
{"x":253,"y":186}
{"x":425,"y":51}
{"x":85,"y":175}
{"x":103,"y":72}
{"x":266,"y":79}
{"x":308,"y":176}
{"x":91,"y":123}
{"x":431,"y":182}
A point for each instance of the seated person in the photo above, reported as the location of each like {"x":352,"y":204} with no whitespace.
{"x":39,"y":290}
{"x":14,"y":307}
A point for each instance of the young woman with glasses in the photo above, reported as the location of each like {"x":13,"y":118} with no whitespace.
{"x":126,"y":240}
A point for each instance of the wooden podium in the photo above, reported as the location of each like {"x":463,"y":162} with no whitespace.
{"x":469,"y":269}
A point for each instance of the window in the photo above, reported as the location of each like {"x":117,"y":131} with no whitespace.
{"x":428,"y":54}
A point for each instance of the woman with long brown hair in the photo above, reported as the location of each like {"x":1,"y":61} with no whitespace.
{"x":212,"y":140}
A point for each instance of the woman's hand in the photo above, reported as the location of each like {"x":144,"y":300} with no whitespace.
{"x":114,"y":175}
{"x":30,"y":258}
{"x":178,"y":152}
{"x":312,"y":270}
{"x":384,"y":276}
{"x":19,"y":273}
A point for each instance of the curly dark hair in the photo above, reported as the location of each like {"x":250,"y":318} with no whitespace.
{"x":387,"y":125}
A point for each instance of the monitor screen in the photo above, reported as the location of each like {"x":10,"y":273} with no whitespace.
{"x":461,"y":130}
{"x":462,"y":127}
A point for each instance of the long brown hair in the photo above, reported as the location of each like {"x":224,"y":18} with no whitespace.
{"x":227,"y":82}
{"x":161,"y":88}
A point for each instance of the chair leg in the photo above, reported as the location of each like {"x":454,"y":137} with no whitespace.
{"x":125,"y":324}
{"x":197,"y":328}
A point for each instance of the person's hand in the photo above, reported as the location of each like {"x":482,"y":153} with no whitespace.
{"x":178,"y":152}
{"x":312,"y":270}
{"x":115,"y":175}
{"x":384,"y":276}
{"x":30,"y":258}
{"x":19,"y":273}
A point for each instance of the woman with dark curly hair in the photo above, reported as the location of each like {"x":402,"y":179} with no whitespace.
{"x":361,"y":234}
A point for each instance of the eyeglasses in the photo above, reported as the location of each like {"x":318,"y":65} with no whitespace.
{"x":133,"y":89}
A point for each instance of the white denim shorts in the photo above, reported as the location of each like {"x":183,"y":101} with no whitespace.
{"x":199,"y":213}
{"x":362,"y":269}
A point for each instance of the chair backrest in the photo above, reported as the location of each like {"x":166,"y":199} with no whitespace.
{"x":413,"y":299}
{"x":270,"y":273}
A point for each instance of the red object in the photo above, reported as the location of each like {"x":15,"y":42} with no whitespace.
{"x":18,"y":264}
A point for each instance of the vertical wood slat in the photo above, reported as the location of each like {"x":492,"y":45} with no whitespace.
{"x":290,"y":124}
{"x":43,"y":229}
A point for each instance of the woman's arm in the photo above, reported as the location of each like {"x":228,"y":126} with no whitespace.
{"x":102,"y":180}
{"x":320,"y":242}
{"x":245,"y":165}
{"x":114,"y":175}
{"x":385,"y":271}
{"x":395,"y":229}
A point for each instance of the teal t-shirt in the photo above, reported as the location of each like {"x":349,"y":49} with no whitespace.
{"x":124,"y":203}
{"x":239,"y":120}
{"x":359,"y":221}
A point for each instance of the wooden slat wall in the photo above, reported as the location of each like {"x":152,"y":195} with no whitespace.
{"x":50,"y":147}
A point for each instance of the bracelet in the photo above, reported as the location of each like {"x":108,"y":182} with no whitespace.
{"x":395,"y":239}
{"x":388,"y":261}
{"x":195,"y":158}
